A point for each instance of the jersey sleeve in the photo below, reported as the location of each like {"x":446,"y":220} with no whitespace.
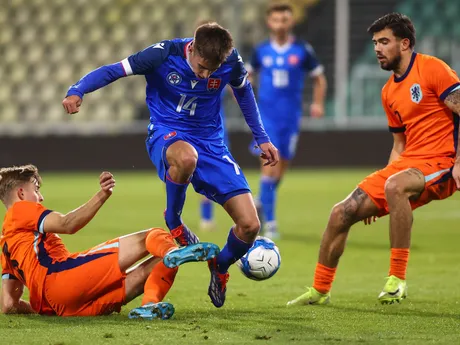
{"x":146,"y":60}
{"x":440,"y":77}
{"x":239,"y":74}
{"x":311,"y":63}
{"x":394,"y":121}
{"x":29,"y":216}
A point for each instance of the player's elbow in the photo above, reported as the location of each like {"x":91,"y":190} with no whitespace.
{"x":9,"y":306}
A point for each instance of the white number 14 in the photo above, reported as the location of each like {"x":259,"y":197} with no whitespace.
{"x":190,"y":106}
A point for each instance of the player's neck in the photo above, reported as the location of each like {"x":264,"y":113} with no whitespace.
{"x":281,"y":39}
{"x":403,"y":65}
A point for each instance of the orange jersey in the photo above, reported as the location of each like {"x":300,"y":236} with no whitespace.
{"x":414,"y":105}
{"x":27,"y":251}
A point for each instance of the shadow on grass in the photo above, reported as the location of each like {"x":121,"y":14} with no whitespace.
{"x":394,"y":310}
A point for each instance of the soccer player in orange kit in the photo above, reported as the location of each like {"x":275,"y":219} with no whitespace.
{"x":97,"y":281}
{"x":422,"y":102}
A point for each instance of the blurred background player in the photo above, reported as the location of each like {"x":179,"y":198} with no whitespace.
{"x":282,"y":62}
{"x":185,"y":79}
{"x":94,"y":282}
{"x":422,"y":101}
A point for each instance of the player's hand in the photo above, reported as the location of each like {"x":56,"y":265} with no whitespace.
{"x":316,"y":110}
{"x":369,"y":220}
{"x":107,"y":182}
{"x":456,"y":173}
{"x":269,"y":153}
{"x":72,"y":104}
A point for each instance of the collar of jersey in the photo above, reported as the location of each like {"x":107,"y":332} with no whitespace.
{"x":401,"y":78}
{"x":280,"y":49}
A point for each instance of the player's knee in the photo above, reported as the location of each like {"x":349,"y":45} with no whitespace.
{"x":187,"y":161}
{"x":393,"y":188}
{"x":343,"y":214}
{"x":250,"y":228}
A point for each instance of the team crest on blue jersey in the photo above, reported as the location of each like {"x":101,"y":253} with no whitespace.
{"x":267,"y":61}
{"x":416,"y":94}
{"x":213,"y":84}
{"x":293,"y":59}
{"x":174,"y":78}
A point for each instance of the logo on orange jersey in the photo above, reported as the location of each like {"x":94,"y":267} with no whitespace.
{"x":416,"y":93}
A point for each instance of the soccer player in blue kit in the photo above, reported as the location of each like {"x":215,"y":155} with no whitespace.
{"x":282,"y":63}
{"x":185,"y":78}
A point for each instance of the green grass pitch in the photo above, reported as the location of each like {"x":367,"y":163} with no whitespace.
{"x":256,"y":312}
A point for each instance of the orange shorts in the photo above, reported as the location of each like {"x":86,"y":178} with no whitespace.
{"x":439,"y":183}
{"x":87,"y":283}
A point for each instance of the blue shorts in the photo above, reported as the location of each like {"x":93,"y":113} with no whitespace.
{"x":217,"y":176}
{"x":285,"y":140}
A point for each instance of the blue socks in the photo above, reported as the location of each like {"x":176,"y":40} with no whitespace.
{"x":233,"y":250}
{"x":175,"y":199}
{"x":268,"y":186}
{"x":207,"y":209}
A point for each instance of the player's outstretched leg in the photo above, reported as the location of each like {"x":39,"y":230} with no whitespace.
{"x":202,"y":251}
{"x":357,"y":206}
{"x":151,"y":277}
{"x":240,"y":239}
{"x":206,"y":211}
{"x":182,"y":159}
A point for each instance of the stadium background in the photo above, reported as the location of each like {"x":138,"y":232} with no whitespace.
{"x":46,"y":45}
{"x":46,"y":48}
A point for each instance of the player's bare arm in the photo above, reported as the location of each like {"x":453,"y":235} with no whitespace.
{"x":319,"y":94}
{"x":399,"y":145}
{"x":10,"y":298}
{"x":453,"y":102}
{"x":75,"y":220}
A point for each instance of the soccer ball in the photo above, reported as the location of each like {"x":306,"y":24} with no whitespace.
{"x":262,"y":260}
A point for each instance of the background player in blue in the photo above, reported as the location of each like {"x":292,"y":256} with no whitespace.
{"x":282,"y":63}
{"x":185,"y":78}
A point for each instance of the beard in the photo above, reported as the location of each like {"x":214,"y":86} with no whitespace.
{"x":391,"y":65}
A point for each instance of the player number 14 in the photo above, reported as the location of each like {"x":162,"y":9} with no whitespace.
{"x":189,"y":105}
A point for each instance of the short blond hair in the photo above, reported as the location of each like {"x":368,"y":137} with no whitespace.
{"x":15,"y":176}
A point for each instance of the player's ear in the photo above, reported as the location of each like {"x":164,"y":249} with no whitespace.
{"x":405,"y":44}
{"x":20,"y":193}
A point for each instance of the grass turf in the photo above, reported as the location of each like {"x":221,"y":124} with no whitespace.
{"x":255,"y":312}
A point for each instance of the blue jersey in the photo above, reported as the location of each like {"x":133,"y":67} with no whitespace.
{"x":282,"y":71}
{"x":176,"y":98}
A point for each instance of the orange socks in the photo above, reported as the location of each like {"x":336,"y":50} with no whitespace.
{"x":158,"y":283}
{"x":398,"y":262}
{"x":159,"y":242}
{"x":324,"y":276}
